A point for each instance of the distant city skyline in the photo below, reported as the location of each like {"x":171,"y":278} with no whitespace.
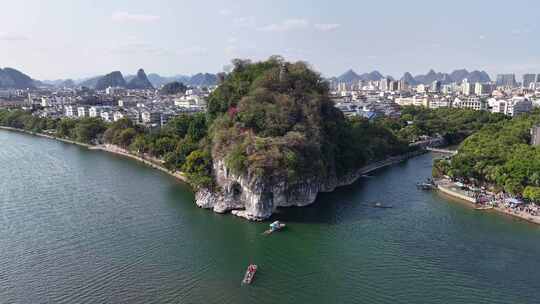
{"x":78,"y":39}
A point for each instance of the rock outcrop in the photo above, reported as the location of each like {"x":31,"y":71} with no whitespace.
{"x":114,"y":79}
{"x":140,"y":82}
{"x":277,"y":140}
{"x":257,"y":199}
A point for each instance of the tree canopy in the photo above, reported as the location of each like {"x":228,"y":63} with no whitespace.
{"x":173,"y":88}
{"x":500,"y":155}
{"x":274,"y":119}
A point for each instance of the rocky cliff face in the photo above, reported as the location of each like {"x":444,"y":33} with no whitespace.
{"x":256,"y":199}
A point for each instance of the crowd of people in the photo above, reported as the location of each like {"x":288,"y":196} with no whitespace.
{"x":506,"y":202}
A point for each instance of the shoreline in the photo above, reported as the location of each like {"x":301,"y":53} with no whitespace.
{"x":178,"y":175}
{"x":105,"y":148}
{"x":393,"y":160}
{"x":471,"y":201}
{"x":155,"y":163}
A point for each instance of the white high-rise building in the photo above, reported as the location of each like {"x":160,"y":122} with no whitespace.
{"x":467,"y":88}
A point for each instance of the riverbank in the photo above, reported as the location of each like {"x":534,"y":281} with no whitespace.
{"x":388,"y":162}
{"x":151,"y":162}
{"x":451,"y":189}
{"x":158,"y":164}
{"x":46,"y":136}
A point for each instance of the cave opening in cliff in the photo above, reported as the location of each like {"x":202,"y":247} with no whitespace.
{"x":236,"y":190}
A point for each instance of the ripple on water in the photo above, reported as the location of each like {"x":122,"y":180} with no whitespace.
{"x":82,"y":226}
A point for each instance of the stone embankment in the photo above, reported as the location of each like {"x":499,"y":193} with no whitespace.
{"x":450,"y":188}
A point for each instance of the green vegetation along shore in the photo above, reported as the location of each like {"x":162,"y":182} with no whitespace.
{"x":500,"y":157}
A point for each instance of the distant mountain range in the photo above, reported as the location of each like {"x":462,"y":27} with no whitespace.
{"x":140,"y":80}
{"x":13,"y":79}
{"x":200,"y":79}
{"x":351,"y":77}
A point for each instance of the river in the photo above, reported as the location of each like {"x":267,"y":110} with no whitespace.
{"x":81,"y":226}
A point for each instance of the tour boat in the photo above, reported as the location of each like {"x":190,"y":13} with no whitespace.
{"x":275,"y":226}
{"x":379,"y":205}
{"x":424,"y":186}
{"x":250,"y":274}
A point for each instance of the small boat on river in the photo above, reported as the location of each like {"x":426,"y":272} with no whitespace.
{"x":275,"y":226}
{"x":379,"y":205}
{"x":428,"y":185}
{"x":250,"y":274}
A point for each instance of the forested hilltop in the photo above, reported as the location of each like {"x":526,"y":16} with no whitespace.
{"x":275,"y":119}
{"x":276,"y":139}
{"x":500,"y":156}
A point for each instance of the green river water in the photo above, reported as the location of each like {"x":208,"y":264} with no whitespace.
{"x":80,"y":226}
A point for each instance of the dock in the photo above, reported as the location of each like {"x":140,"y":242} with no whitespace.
{"x":442,"y":151}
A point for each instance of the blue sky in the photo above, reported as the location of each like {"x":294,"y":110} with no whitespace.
{"x":51,"y":39}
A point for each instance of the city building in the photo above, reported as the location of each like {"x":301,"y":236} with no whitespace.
{"x":482,"y":89}
{"x":393,"y":86}
{"x":467,"y":88}
{"x":82,"y":111}
{"x":436,"y":86}
{"x":474,"y":103}
{"x":106,"y":116}
{"x":511,"y":107}
{"x":117,"y":115}
{"x":413,"y":101}
{"x":70,"y":111}
{"x":403,"y":86}
{"x":384,"y":84}
{"x":151,"y":117}
{"x":529,"y":79}
{"x":506,"y":80}
{"x":438,"y":102}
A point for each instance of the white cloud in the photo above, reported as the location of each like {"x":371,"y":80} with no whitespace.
{"x":244,"y":22}
{"x":286,"y":25}
{"x":129,"y":17}
{"x":12,"y":37}
{"x":225,"y":12}
{"x":326,"y":27}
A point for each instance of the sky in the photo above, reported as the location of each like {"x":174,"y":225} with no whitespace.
{"x":53,"y":39}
